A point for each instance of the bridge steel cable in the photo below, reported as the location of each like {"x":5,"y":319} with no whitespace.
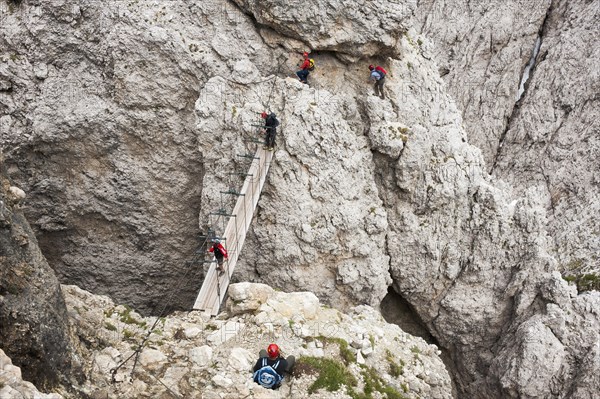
{"x":211,"y":294}
{"x":214,"y":286}
{"x":186,"y":278}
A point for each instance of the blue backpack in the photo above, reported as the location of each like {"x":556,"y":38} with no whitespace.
{"x":266,"y":376}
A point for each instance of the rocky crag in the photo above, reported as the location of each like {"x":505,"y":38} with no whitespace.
{"x":525,"y":76}
{"x":364,"y":193}
{"x":193,"y":356}
{"x":12,"y":385}
{"x":34,"y":327}
{"x":98,"y":130}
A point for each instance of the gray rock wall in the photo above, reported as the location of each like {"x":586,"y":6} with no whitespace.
{"x":97,"y":127}
{"x":553,"y":140}
{"x":363,"y":193}
{"x":482,"y":49}
{"x":34,"y":327}
{"x":549,"y":137}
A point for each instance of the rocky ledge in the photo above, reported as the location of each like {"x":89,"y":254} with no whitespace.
{"x":191,"y":355}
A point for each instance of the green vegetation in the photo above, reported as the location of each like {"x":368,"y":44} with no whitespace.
{"x":126,"y":317}
{"x":374,"y":383}
{"x":575,"y":264}
{"x":127,"y":334}
{"x":398,"y":133}
{"x":110,"y":327}
{"x":347,"y":355}
{"x":396,"y":370}
{"x":415,"y":349}
{"x":419,"y":42}
{"x":331,"y":373}
{"x":372,"y":341}
{"x":585,"y":282}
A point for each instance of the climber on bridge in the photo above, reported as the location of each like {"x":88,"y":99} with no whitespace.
{"x":271,"y":123}
{"x":220,"y":252}
{"x":378,"y":76}
{"x":307,"y":65}
{"x":270,"y":368}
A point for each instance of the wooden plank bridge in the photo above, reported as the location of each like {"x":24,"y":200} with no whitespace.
{"x":214,"y":287}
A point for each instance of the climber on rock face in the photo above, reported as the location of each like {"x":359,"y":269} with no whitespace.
{"x":271,"y":123}
{"x":220,"y":253}
{"x":305,"y":68}
{"x":270,"y":368}
{"x":378,"y":76}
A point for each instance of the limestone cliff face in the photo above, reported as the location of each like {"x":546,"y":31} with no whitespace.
{"x":543,"y":132}
{"x":468,"y":253}
{"x":482,"y":49}
{"x":364,"y":193}
{"x":371,"y":29}
{"x":97,"y":128}
{"x":34,"y":327}
{"x":553,"y":138}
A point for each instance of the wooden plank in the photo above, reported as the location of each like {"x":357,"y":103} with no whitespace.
{"x":214,"y":288}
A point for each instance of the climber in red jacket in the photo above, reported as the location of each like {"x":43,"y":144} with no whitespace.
{"x":378,"y":75}
{"x":304,"y":69}
{"x":220,"y":253}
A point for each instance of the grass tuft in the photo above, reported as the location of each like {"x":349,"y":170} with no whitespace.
{"x":374,"y":383}
{"x":347,"y":355}
{"x":585,"y":282}
{"x":396,"y":370}
{"x":332,"y":375}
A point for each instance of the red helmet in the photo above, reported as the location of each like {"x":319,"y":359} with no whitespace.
{"x":273,"y":351}
{"x":371,"y":67}
{"x":263,"y":115}
{"x":305,"y":54}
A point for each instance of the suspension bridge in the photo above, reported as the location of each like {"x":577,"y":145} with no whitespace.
{"x":214,"y":287}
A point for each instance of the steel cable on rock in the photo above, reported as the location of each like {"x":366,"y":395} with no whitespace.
{"x":178,"y":284}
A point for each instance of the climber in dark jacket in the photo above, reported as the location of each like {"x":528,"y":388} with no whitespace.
{"x":271,"y":124}
{"x":270,"y":368}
